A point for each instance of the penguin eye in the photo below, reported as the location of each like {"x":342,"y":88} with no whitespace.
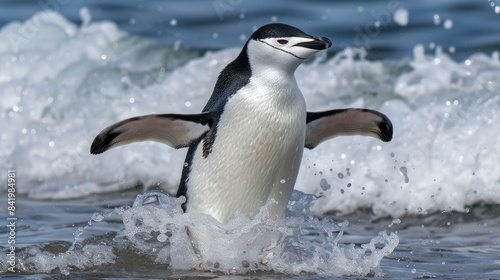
{"x":282,"y":41}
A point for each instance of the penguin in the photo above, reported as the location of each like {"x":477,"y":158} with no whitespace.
{"x":245,"y":148}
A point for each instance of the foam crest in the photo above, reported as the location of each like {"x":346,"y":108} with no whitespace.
{"x":58,"y":98}
{"x":443,"y":153}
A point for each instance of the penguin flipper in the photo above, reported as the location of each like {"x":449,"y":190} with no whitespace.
{"x":322,"y":126}
{"x":175,"y":130}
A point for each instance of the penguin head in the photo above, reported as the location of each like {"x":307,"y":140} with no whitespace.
{"x":283,"y":46}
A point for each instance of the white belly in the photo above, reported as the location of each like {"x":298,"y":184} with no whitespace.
{"x":255,"y":157}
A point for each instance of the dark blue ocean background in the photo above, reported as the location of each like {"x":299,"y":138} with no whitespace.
{"x":472,"y":26}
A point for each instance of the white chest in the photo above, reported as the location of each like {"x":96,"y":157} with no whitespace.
{"x":256,"y":153}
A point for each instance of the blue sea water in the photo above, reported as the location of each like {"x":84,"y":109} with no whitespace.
{"x":69,"y":68}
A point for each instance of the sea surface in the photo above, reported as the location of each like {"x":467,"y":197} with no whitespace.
{"x":423,"y":206}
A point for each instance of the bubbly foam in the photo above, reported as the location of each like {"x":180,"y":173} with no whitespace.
{"x":444,"y":152}
{"x":156,"y":231}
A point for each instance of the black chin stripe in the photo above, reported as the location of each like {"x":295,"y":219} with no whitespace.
{"x":281,"y":49}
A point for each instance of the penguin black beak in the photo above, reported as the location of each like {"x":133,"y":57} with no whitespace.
{"x":319,"y":43}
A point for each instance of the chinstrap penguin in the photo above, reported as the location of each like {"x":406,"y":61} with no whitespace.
{"x":245,"y":147}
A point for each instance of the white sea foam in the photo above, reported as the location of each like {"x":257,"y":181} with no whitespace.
{"x":157,"y":232}
{"x":61,"y":84}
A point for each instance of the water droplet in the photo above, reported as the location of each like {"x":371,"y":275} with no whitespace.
{"x":342,"y":191}
{"x":132,"y":21}
{"x":274,"y":18}
{"x":392,"y":154}
{"x":324,"y":184}
{"x":349,"y":185}
{"x":437,"y":19}
{"x":282,"y":181}
{"x":131,"y":100}
{"x":173,"y":22}
{"x":97,"y":217}
{"x":448,"y":24}
{"x":414,"y":270}
{"x":340,"y":175}
{"x":394,"y":222}
{"x":162,"y":237}
{"x":64,"y":271}
{"x":419,"y":209}
{"x":78,"y":232}
{"x":404,"y":171}
{"x":497,"y":9}
{"x":401,"y":16}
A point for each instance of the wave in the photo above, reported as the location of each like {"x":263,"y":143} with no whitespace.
{"x":63,"y":83}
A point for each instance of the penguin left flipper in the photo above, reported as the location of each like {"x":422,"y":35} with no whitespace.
{"x":175,"y":130}
{"x":322,"y":126}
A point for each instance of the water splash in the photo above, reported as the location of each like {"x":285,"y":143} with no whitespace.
{"x":306,"y":244}
{"x":155,"y":232}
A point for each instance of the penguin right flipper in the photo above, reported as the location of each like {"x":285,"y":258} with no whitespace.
{"x":175,"y":130}
{"x":322,"y":126}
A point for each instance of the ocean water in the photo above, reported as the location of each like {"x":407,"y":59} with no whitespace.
{"x":424,"y":205}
